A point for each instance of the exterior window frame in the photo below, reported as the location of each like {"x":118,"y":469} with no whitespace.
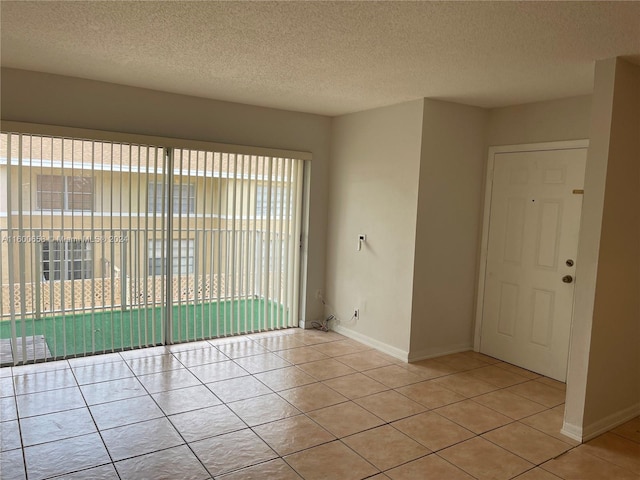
{"x":183,"y":264}
{"x":155,"y":195}
{"x":66,"y":194}
{"x":67,"y":265}
{"x":262,"y":198}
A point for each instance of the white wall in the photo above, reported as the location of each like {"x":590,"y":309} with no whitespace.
{"x":375,"y":161}
{"x":451,"y":191}
{"x":410,"y":178}
{"x":550,"y":121}
{"x":448,"y":228}
{"x":73,"y":102}
{"x":603,"y":384}
{"x":613,"y":382}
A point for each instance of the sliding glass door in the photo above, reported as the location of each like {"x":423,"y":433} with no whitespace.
{"x":110,"y":246}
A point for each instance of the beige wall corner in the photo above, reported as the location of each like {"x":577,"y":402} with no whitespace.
{"x":448,"y":226}
{"x":375,"y":161}
{"x":603,"y":384}
{"x":550,"y":121}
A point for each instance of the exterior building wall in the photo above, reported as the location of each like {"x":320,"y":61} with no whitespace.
{"x":120,"y":232}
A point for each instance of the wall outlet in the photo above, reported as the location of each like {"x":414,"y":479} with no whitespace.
{"x":356,"y":313}
{"x":319,"y":295}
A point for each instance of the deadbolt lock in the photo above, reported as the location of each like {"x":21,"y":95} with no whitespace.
{"x":569,"y":263}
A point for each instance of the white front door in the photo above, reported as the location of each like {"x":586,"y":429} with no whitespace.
{"x":534,"y":222}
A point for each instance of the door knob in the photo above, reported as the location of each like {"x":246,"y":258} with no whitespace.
{"x":567,"y":279}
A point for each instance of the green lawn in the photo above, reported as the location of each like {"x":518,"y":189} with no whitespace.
{"x":108,"y":331}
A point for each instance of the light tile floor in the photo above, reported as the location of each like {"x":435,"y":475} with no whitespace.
{"x":294,"y":404}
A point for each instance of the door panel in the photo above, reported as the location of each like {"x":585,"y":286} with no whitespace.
{"x":534,"y":222}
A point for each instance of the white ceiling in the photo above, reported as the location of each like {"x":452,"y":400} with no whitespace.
{"x":326,"y":57}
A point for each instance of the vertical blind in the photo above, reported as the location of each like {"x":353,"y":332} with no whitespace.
{"x":109,"y":246}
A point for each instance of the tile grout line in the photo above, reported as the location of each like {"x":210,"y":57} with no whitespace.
{"x":305,"y":413}
{"x":169,"y":419}
{"x":97,"y":429}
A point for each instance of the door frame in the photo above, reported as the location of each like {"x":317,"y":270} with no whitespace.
{"x":484,"y":245}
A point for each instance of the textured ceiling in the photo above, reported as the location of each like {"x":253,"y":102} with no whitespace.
{"x":326,"y":57}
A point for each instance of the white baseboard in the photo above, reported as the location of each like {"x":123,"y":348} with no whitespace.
{"x":584,"y":434}
{"x":572,"y":431}
{"x":378,"y":345}
{"x":438,"y":351}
